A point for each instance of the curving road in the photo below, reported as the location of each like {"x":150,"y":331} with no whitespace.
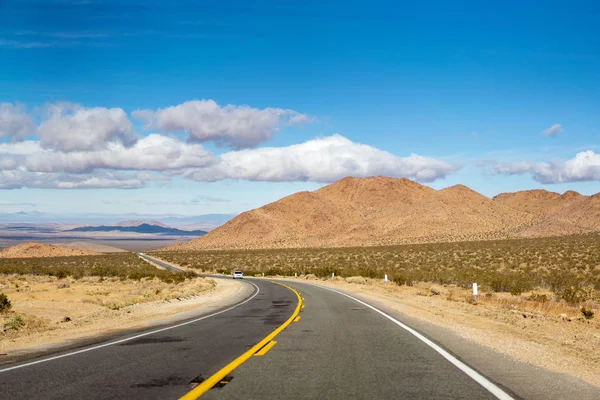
{"x":339,"y":348}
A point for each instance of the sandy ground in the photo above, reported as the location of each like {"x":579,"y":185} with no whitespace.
{"x":92,"y":246}
{"x":47,"y":312}
{"x":134,"y":245}
{"x":41,"y":250}
{"x":548,"y":335}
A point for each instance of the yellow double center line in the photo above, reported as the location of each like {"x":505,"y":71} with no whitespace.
{"x":223,"y":372}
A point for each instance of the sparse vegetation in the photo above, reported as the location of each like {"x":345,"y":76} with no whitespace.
{"x":567,"y":266}
{"x":121,"y":265}
{"x":15,"y":322}
{"x":5,"y":304}
{"x":587,"y":313}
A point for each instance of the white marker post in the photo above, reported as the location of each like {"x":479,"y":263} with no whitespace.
{"x":475,"y":292}
{"x":332,"y":275}
{"x":295,"y":274}
{"x":385,"y":279}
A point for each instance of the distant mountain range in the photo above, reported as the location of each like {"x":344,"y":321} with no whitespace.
{"x":138,"y":223}
{"x":386,"y":211}
{"x":201,"y":222}
{"x":139,"y":227}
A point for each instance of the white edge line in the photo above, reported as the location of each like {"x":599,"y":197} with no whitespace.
{"x":476,"y":376}
{"x":132,"y":337}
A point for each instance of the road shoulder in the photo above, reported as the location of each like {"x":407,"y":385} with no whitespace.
{"x":522,"y":378}
{"x":110,"y":324}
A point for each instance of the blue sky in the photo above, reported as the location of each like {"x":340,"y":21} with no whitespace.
{"x":327,"y":88}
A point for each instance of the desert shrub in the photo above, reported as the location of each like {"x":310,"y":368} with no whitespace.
{"x":5,"y":304}
{"x":576,"y":294}
{"x":15,"y":322}
{"x":587,"y":313}
{"x":541,"y":298}
{"x":120,"y":265}
{"x":515,"y":266}
{"x":60,"y":273}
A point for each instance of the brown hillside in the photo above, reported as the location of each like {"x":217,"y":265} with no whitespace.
{"x":538,"y":202}
{"x":379,"y":210}
{"x":457,"y":213}
{"x":580,"y":215}
{"x":38,"y":250}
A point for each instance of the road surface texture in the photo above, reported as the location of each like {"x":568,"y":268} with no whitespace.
{"x":338,"y":349}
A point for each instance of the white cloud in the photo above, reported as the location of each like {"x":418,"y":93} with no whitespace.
{"x":8,"y":163}
{"x":234,"y":126}
{"x":320,"y":160}
{"x":20,"y":148}
{"x":553,"y":130}
{"x":154,"y":152}
{"x":15,"y":122}
{"x":12,"y":154}
{"x":79,"y":147}
{"x":324,"y":160}
{"x":71,"y":127}
{"x":20,"y":178}
{"x":585,"y":166}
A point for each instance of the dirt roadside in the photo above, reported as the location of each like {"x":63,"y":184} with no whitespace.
{"x":550,"y":336}
{"x":48,"y":313}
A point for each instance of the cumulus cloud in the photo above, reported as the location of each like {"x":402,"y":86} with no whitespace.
{"x":233,"y":126}
{"x":8,"y":163}
{"x":12,"y":154}
{"x":15,"y":122}
{"x":324,"y":160}
{"x":585,"y":166}
{"x":154,"y":152}
{"x":553,"y":130}
{"x":19,"y":178}
{"x":80,"y":147}
{"x":20,"y":148}
{"x":71,"y":127}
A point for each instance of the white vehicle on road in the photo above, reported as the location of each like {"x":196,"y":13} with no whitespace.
{"x":238,"y":275}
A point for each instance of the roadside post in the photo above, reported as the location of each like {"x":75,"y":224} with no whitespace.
{"x":475,"y":292}
{"x":332,"y":275}
{"x":385,"y":279}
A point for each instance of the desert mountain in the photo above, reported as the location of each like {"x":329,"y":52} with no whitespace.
{"x":138,"y":223}
{"x":38,"y":250}
{"x":538,"y":202}
{"x":380,"y":210}
{"x":142,"y":228}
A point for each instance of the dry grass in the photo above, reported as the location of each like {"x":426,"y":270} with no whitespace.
{"x":120,"y":265}
{"x":46,"y":303}
{"x":568,"y":268}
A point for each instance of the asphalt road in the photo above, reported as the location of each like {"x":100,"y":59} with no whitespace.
{"x":338,"y":349}
{"x":156,"y":366}
{"x":341,"y":349}
{"x":160,"y":263}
